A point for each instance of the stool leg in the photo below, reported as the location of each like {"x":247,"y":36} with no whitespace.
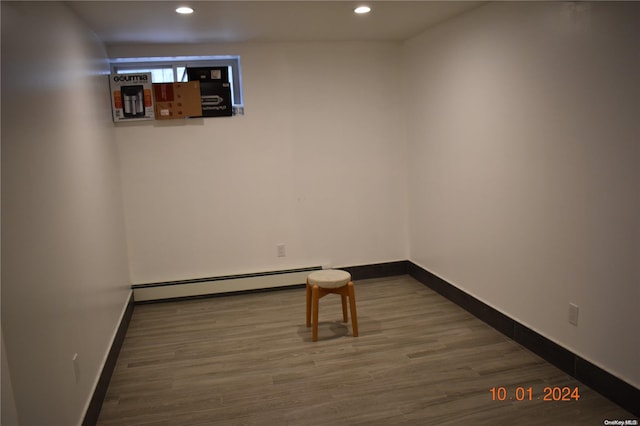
{"x":345,"y":317}
{"x":308,"y":305}
{"x":352,"y":305}
{"x":315,"y":299}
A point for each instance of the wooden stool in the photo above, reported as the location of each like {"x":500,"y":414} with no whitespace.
{"x":321,"y":283}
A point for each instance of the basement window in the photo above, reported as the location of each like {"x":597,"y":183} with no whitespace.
{"x":174,"y":69}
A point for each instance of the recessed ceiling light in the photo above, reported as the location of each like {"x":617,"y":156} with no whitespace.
{"x":184,"y":10}
{"x":362,"y":9}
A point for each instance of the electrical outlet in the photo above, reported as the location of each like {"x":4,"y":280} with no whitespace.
{"x":573,"y":313}
{"x":281,"y":250}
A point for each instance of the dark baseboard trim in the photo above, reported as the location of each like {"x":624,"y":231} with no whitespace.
{"x":619,"y":391}
{"x":99,"y":393}
{"x":377,"y":270}
{"x":608,"y":385}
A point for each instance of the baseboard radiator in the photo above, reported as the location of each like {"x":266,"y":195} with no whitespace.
{"x":223,"y":284}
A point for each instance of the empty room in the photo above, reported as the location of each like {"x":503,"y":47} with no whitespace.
{"x":179,"y":188}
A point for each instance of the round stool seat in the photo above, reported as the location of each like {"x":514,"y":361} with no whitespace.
{"x":329,"y":278}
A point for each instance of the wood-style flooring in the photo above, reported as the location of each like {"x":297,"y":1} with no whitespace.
{"x":249,"y":360}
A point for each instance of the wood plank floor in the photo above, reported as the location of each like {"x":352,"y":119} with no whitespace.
{"x":249,"y":360}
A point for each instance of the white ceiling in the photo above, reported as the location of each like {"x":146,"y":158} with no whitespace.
{"x":117,"y":22}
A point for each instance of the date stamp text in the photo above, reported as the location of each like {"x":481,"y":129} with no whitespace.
{"x":522,"y":393}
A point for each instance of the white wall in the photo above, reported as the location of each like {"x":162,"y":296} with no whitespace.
{"x":64,"y":268}
{"x":524,"y":158}
{"x":317,"y":163}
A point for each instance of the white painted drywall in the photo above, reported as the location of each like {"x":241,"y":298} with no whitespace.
{"x":64,"y":266}
{"x":317,"y":163}
{"x":524,"y":167}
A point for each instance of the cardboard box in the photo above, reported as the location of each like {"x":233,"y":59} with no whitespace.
{"x":131,"y":97}
{"x":177,"y":100}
